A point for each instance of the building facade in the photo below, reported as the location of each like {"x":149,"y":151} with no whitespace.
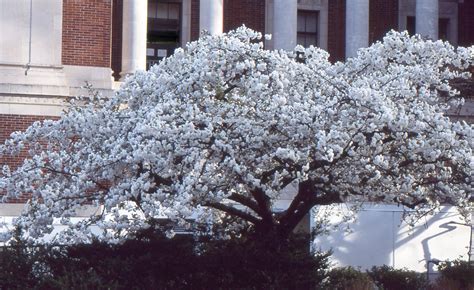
{"x":49,"y":49}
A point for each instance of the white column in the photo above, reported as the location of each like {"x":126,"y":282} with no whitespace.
{"x":186,"y":23}
{"x":211,"y":16}
{"x":134,"y":31}
{"x":427,"y":18}
{"x":285,"y":19}
{"x":357,"y":26}
{"x":323,"y":24}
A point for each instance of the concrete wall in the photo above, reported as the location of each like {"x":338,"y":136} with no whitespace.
{"x":46,"y":32}
{"x":42,"y":64}
{"x":380,"y":236}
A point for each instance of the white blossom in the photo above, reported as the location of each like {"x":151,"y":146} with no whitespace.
{"x":221,"y":127}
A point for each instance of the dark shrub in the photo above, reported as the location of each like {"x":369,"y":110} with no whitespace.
{"x":16,"y":268}
{"x":388,"y":278}
{"x":152,"y":261}
{"x":21,"y":267}
{"x":455,"y":274}
{"x":260,"y":264}
{"x":348,"y":278}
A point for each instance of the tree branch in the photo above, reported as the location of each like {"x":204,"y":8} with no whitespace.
{"x":234,"y":212}
{"x":263,"y":202}
{"x":306,"y":199}
{"x":243,"y":200}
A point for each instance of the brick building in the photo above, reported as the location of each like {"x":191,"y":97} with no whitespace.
{"x":50,"y":48}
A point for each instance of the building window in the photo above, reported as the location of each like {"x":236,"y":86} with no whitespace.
{"x":443,"y":29}
{"x":411,"y":26}
{"x":164,"y":29}
{"x":307,"y":28}
{"x":163,"y":10}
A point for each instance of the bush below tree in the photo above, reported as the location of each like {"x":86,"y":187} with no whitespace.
{"x":152,"y":261}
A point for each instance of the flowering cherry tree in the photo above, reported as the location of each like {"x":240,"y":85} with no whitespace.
{"x":220,"y":128}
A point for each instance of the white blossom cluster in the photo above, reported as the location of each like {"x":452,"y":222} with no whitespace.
{"x":221,"y":127}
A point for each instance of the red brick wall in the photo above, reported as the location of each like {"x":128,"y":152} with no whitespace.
{"x":86,"y":32}
{"x":383,"y":17}
{"x":117,"y":16}
{"x":248,"y":12}
{"x":337,"y":29}
{"x":8,"y":125}
{"x":466,"y":23}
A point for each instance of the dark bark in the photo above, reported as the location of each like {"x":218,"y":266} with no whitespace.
{"x":307,"y":197}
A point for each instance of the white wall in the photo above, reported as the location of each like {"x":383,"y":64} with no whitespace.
{"x":380,"y":236}
{"x":43,"y":76}
{"x":46,"y":32}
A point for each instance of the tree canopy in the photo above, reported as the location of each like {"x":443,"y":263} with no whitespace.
{"x":216,"y":132}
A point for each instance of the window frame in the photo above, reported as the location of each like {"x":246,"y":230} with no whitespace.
{"x":305,"y":33}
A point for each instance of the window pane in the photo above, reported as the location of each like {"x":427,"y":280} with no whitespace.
{"x":411,"y":24}
{"x":173,"y":11}
{"x":300,"y":40}
{"x":443,"y":28}
{"x":150,"y":52}
{"x":311,"y":22}
{"x":301,"y":22}
{"x":311,"y":40}
{"x":162,"y":11}
{"x":162,"y":53}
{"x":151,"y":9}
